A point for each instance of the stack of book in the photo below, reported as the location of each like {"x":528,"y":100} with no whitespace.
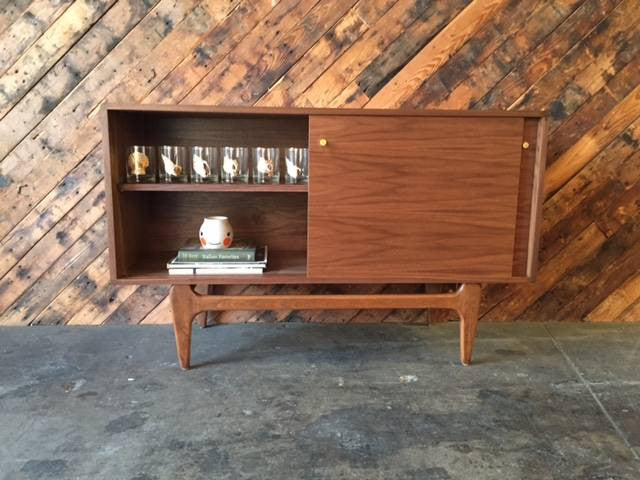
{"x":241,"y":259}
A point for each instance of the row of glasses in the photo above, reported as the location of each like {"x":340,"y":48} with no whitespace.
{"x":210,"y":164}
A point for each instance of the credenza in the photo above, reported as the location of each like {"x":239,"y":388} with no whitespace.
{"x":393,"y":197}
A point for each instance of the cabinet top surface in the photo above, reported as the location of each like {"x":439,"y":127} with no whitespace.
{"x":210,"y":109}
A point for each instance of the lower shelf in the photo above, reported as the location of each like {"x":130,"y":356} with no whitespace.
{"x":284,"y":268}
{"x":290,"y":267}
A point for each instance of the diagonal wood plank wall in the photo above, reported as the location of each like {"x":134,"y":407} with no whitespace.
{"x":61,"y":59}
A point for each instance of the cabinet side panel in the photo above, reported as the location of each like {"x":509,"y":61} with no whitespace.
{"x":538,"y":198}
{"x":413,"y":197}
{"x":109,"y":150}
{"x":525,"y":197}
{"x":122,"y":211}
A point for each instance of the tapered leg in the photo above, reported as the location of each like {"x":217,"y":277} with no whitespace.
{"x":468,"y":309}
{"x":181,"y":303}
{"x":201,"y":317}
{"x":210,"y":318}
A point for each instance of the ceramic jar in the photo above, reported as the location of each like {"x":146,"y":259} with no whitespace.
{"x":216,"y":232}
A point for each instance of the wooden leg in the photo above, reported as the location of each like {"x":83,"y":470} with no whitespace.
{"x":201,"y":317}
{"x":181,"y":297}
{"x":210,"y":318}
{"x":468,"y":308}
{"x":186,"y":303}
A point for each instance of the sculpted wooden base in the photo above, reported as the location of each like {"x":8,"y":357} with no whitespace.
{"x":187,"y":303}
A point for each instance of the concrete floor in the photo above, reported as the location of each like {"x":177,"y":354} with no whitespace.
{"x":300,"y":401}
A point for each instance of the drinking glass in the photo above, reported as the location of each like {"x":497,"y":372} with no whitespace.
{"x":141,"y":164}
{"x":204,"y":164}
{"x":297,"y":165}
{"x":266,"y":165}
{"x":234,"y":165}
{"x":174,"y":165}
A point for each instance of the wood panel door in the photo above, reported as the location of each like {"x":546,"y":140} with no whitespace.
{"x":412,"y":198}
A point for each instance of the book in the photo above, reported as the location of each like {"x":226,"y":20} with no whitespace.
{"x":230,"y":271}
{"x":181,"y":271}
{"x":216,"y":271}
{"x":256,"y":267}
{"x":260,"y":261}
{"x":192,"y":251}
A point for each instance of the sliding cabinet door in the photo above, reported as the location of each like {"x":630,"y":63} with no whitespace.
{"x":413,"y":198}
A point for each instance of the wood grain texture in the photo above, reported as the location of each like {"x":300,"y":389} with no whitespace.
{"x":187,"y":302}
{"x":578,"y":59}
{"x":413,"y":197}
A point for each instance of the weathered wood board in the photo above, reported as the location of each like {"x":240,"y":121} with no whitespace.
{"x":60,"y":60}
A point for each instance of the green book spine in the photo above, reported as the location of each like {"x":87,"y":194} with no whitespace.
{"x":222,"y":255}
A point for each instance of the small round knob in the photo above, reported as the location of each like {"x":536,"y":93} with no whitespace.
{"x":323,"y":142}
{"x":525,"y":145}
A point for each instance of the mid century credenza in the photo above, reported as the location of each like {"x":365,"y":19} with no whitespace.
{"x":393,"y":196}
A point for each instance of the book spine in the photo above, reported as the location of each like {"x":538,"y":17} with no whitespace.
{"x":216,"y":256}
{"x":181,"y":271}
{"x":229,"y":271}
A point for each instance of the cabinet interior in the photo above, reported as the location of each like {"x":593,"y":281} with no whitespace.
{"x":155,"y":220}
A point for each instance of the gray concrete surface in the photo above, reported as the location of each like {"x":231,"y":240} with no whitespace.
{"x":296,"y":401}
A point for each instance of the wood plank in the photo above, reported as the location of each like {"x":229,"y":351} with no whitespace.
{"x":543,"y":20}
{"x":160,"y":315}
{"x":54,"y":144}
{"x":549,"y":52}
{"x":350,"y":97}
{"x":471,"y":63}
{"x":343,"y":316}
{"x":399,"y":52}
{"x":41,"y":56}
{"x":21,"y":34}
{"x":353,"y":61}
{"x":51,"y":246}
{"x":101,"y":305}
{"x":520,"y":296}
{"x":611,"y":163}
{"x":10,"y":11}
{"x":67,"y":267}
{"x":583,"y":69}
{"x":274,"y":63}
{"x":626,"y":207}
{"x":390,"y":315}
{"x":631,"y":314}
{"x":581,"y":55}
{"x":138,"y":305}
{"x":576,"y":124}
{"x":211,"y":50}
{"x":615,"y":304}
{"x":319,"y":57}
{"x":591,"y":281}
{"x":587,"y":211}
{"x":44,"y":216}
{"x":73,"y":297}
{"x":76,"y":64}
{"x":585,"y":149}
{"x":230,"y":71}
{"x":583,"y":200}
{"x":436,"y":53}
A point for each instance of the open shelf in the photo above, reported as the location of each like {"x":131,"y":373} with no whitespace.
{"x":212,"y":187}
{"x":157,"y":223}
{"x":149,"y":222}
{"x":283,"y":267}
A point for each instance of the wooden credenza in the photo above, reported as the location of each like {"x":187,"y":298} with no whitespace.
{"x":393,"y":197}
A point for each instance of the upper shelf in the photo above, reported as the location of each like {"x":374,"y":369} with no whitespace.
{"x":212,"y":187}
